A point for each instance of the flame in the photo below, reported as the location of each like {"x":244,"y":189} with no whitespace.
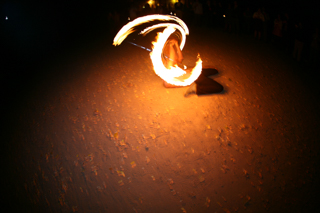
{"x":173,"y":75}
{"x":128,"y":28}
{"x":153,"y":27}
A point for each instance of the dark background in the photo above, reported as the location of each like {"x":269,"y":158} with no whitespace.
{"x":40,"y":31}
{"x":37,"y":28}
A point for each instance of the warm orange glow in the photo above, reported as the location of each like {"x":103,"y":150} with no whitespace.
{"x":151,"y":2}
{"x":173,"y":75}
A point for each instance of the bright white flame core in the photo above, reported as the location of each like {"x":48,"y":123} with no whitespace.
{"x":127,"y":29}
{"x":170,"y":75}
{"x":174,"y":75}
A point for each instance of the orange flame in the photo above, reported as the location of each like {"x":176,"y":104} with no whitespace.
{"x":173,"y":75}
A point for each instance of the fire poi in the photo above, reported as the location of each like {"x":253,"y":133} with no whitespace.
{"x":173,"y":74}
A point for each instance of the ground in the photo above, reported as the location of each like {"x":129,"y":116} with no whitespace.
{"x":98,"y":132}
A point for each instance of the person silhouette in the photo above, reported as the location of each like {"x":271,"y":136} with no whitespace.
{"x":172,"y":56}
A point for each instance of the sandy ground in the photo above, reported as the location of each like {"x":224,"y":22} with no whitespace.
{"x":99,"y":133}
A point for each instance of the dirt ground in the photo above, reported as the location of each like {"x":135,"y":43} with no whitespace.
{"x":98,"y":132}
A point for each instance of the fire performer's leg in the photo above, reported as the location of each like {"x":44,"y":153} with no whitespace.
{"x":169,"y":55}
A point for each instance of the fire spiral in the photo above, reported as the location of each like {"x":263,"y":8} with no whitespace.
{"x":174,"y":74}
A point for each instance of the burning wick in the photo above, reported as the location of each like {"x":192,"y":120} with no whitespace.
{"x":174,"y":74}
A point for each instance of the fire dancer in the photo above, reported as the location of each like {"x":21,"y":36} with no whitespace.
{"x":172,"y":56}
